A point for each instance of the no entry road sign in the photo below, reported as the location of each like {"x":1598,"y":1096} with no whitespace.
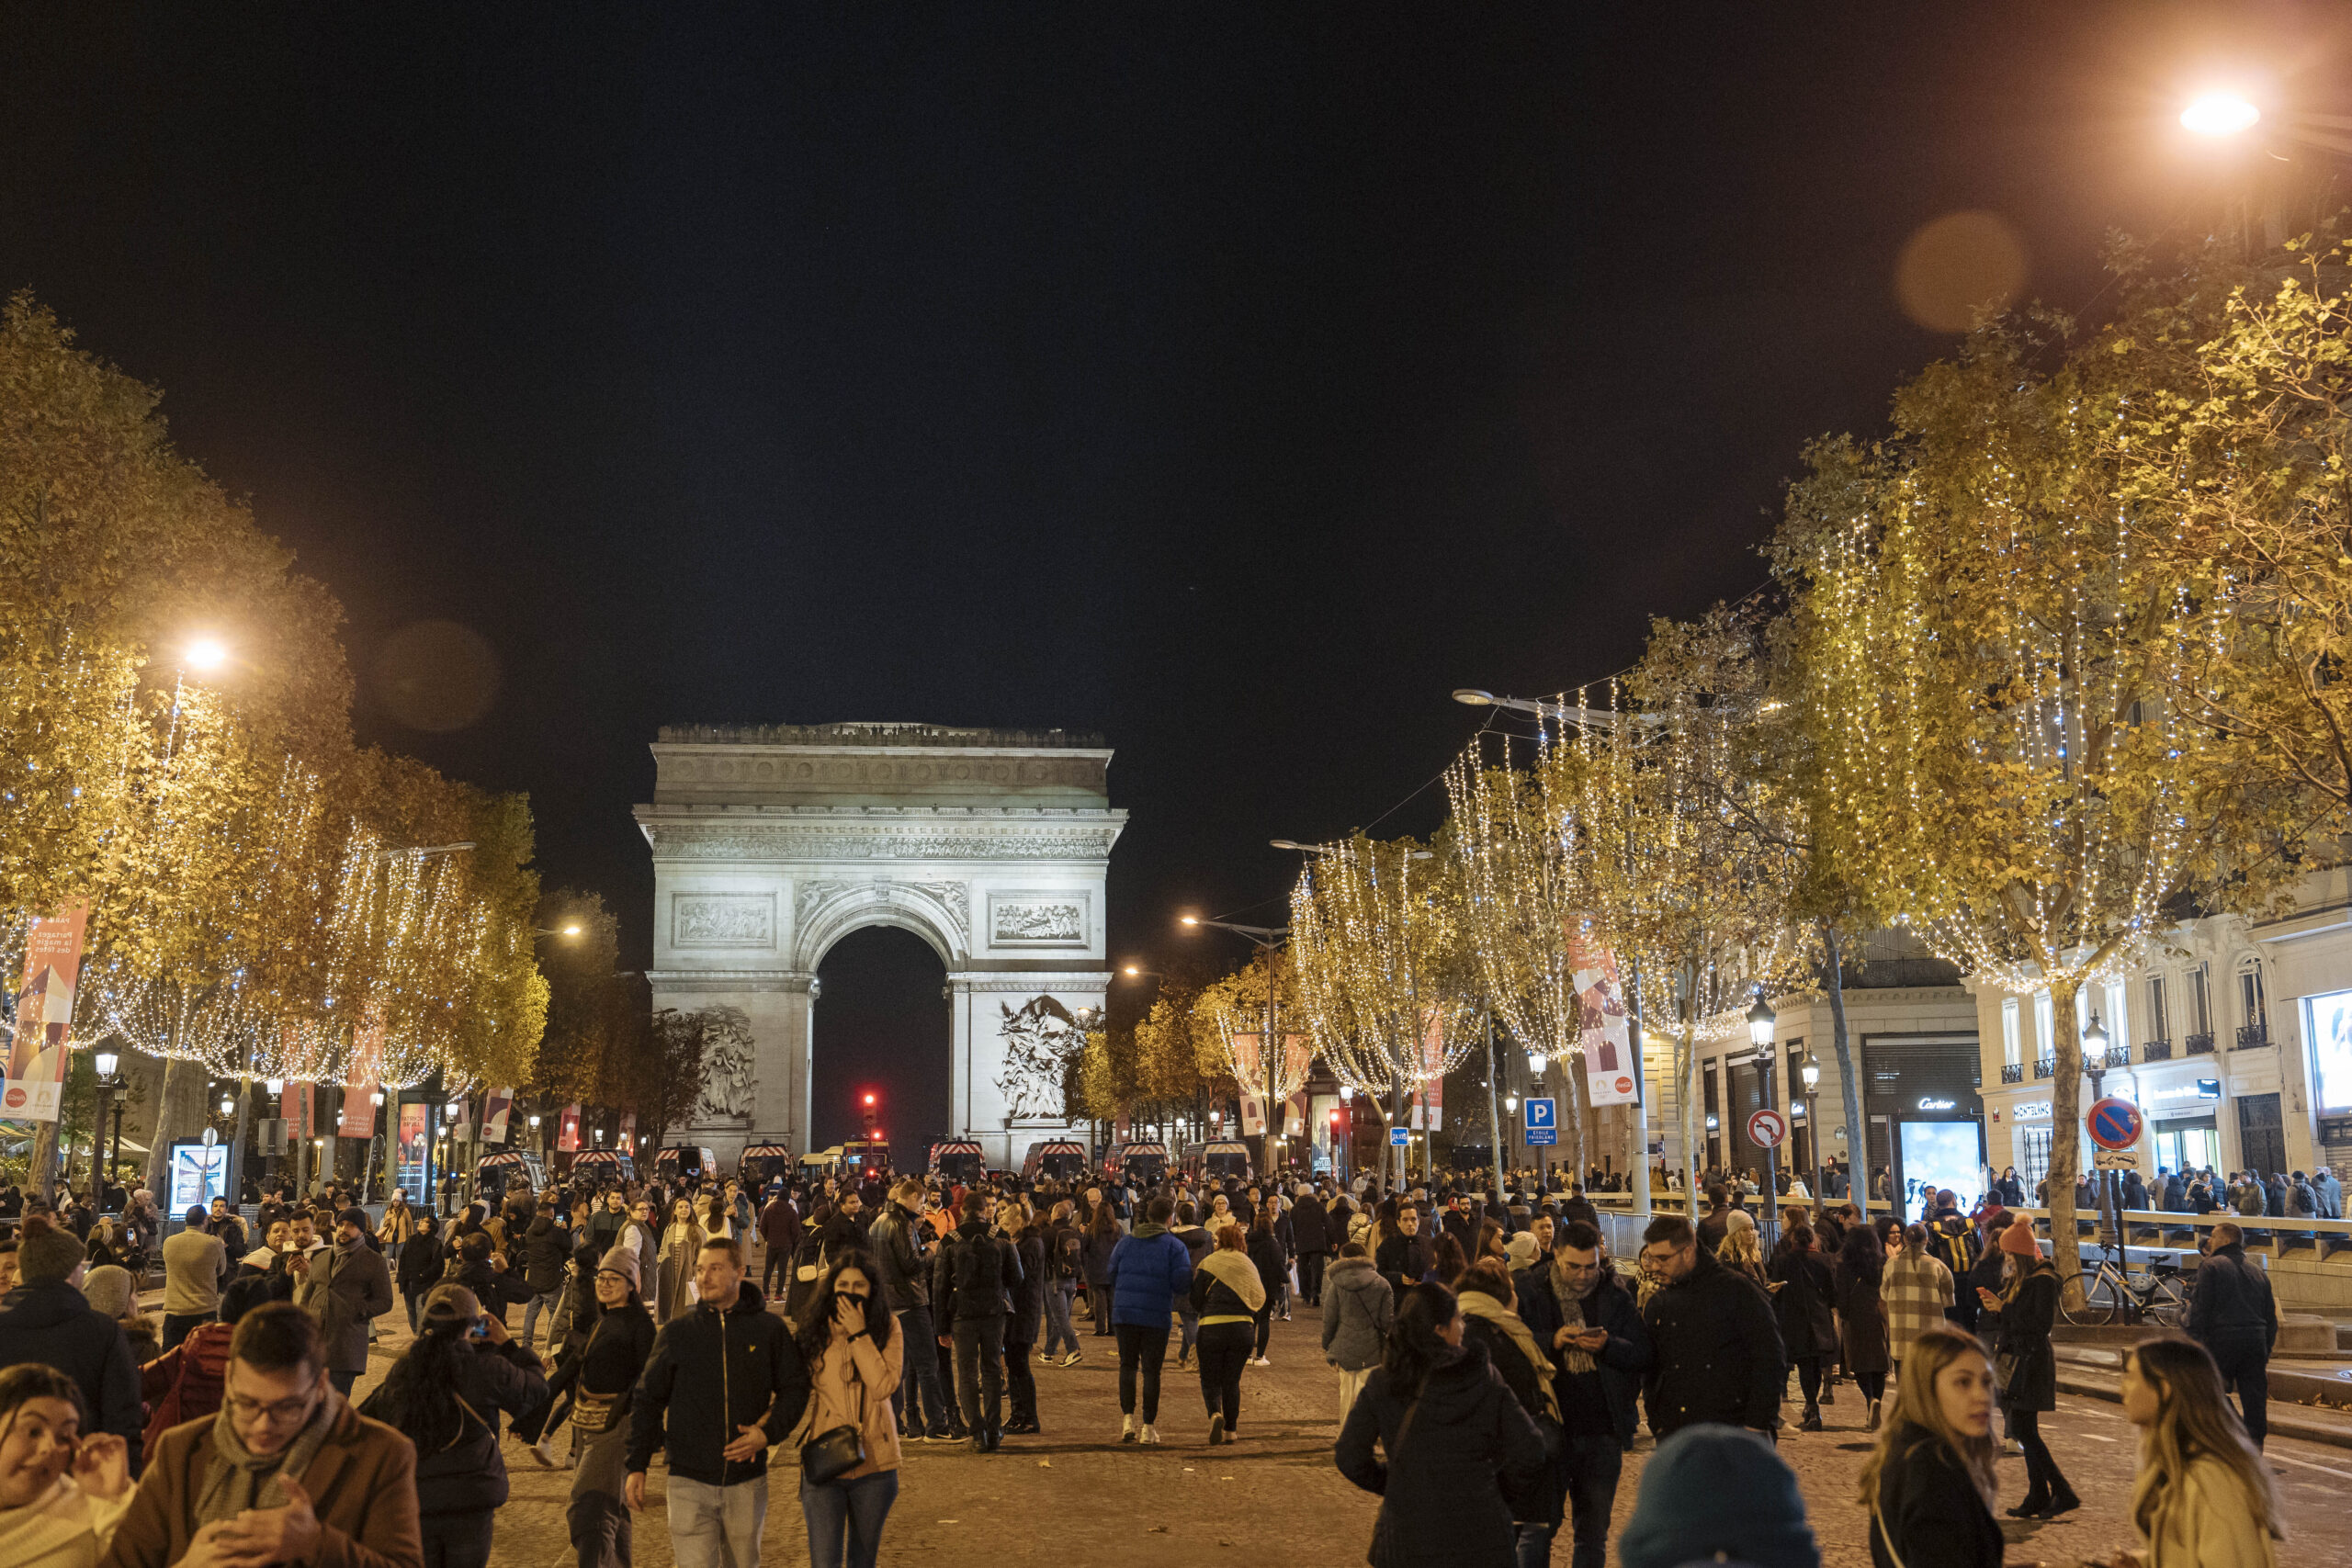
{"x":1543,"y":1123}
{"x":2114,"y":1123}
{"x":1767,"y":1128}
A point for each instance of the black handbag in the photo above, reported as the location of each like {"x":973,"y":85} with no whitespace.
{"x":828,"y":1456}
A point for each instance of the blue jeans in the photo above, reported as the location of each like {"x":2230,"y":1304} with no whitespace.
{"x":846,"y":1518}
{"x":1057,"y":1324}
{"x":925,"y":1395}
{"x":544,"y":1300}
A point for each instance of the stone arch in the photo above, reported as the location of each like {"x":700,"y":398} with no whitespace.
{"x":878,"y":903}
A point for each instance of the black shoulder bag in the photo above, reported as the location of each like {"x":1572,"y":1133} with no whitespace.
{"x":829,"y":1455}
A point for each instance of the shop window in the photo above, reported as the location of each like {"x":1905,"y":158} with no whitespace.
{"x":2033,"y":1158}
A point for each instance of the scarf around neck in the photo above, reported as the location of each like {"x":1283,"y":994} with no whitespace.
{"x":1238,"y":1274}
{"x":241,"y":1479}
{"x":1486,"y":1309}
{"x":1571,"y":1316}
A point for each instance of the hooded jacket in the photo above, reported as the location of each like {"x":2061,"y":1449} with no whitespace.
{"x":710,"y":1374}
{"x":1307,"y":1228}
{"x":1358,"y":1310}
{"x":974,"y":1277}
{"x":1468,"y":1464}
{"x":49,"y":1321}
{"x":546,"y":1248}
{"x":1148,"y":1270}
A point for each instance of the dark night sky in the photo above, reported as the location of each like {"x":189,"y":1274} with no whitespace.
{"x":1235,"y":380}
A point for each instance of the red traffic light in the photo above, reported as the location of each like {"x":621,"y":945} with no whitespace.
{"x":869,"y":1099}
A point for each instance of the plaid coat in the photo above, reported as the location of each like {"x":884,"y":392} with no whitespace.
{"x":1917,"y":1288}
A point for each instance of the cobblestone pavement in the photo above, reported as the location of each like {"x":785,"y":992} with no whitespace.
{"x":1074,"y":1496}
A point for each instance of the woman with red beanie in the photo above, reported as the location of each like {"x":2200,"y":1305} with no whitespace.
{"x":2025,"y":1366}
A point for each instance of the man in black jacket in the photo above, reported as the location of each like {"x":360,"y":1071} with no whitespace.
{"x":721,"y":1385}
{"x":972,"y":1281}
{"x":2231,"y":1313}
{"x":1715,"y":1341}
{"x":1404,"y":1257}
{"x":899,"y":1258}
{"x":1312,"y":1236}
{"x":1587,"y":1321}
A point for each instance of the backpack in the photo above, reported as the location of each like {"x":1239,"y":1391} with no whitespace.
{"x":1958,"y":1245}
{"x":1069,"y":1254}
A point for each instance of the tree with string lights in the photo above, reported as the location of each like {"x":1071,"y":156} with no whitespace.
{"x":1987,"y":678}
{"x":1382,"y":965}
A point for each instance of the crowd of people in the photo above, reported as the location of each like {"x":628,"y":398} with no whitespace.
{"x":1493,"y":1366}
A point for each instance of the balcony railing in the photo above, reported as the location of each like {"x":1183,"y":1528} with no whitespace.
{"x":2253,"y":1036}
{"x":2013,"y":1072}
{"x":2117,"y":1055}
{"x":2197,"y":1045}
{"x":2156,"y":1051}
{"x":2043,"y":1066}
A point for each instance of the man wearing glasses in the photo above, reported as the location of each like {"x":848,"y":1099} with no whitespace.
{"x":290,"y":1472}
{"x":1585,"y":1318}
{"x":1716,"y":1343}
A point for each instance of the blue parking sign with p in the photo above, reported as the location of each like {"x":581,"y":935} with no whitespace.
{"x":1543,"y":1124}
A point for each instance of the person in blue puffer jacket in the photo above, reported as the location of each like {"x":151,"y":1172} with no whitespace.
{"x":1151,"y":1271}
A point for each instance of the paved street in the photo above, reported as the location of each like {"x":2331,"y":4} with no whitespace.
{"x":1073,"y":1495}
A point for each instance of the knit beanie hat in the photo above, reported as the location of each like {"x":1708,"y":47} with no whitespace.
{"x":621,"y":1261}
{"x":2019,"y":1239}
{"x":1738,"y":1220}
{"x":45,"y":1252}
{"x":1712,"y":1489}
{"x":107,"y":1290}
{"x":1521,"y":1250}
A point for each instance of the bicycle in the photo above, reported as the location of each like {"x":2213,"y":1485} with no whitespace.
{"x":2158,"y":1294}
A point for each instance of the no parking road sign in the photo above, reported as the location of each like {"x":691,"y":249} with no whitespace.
{"x":1767,"y":1128}
{"x":1543,"y":1123}
{"x":2114,"y":1123}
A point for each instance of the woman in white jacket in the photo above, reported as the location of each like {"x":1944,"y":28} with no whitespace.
{"x":61,"y":1494}
{"x":2204,"y":1498}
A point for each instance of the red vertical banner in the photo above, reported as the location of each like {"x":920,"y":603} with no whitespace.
{"x":497,"y":1111}
{"x":37,"y":1053}
{"x":568,"y":1135}
{"x":360,"y":1083}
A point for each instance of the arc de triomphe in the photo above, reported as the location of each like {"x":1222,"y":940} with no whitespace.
{"x":773,"y":843}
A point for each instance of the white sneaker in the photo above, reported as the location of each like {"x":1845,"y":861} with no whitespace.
{"x":543,"y":1451}
{"x":1150,"y":1437}
{"x":1260,"y":1361}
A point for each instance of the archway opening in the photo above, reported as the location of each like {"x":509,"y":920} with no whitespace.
{"x":882,"y":1027}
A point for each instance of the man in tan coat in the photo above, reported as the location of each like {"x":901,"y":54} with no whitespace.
{"x":286,"y":1472}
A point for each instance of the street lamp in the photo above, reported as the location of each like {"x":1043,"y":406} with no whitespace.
{"x":109,"y":1087}
{"x":2219,"y":114}
{"x":1810,"y":1074}
{"x":2095,"y":1064}
{"x":206,"y":654}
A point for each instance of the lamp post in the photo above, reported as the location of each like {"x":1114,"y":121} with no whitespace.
{"x":1268,"y":941}
{"x":1811,"y":1075}
{"x":1760,"y":1021}
{"x":107,"y":1061}
{"x":1537,"y":1064}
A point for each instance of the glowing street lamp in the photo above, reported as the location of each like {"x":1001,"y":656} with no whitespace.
{"x":2219,"y":114}
{"x":204,"y":654}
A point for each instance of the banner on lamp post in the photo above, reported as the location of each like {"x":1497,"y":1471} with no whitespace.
{"x":37,"y":1051}
{"x":360,"y":1086}
{"x":1611,"y":1064}
{"x":628,"y":1133}
{"x":1253,"y":1114}
{"x":412,"y":1138}
{"x":567,"y":1139}
{"x":497,"y":1110}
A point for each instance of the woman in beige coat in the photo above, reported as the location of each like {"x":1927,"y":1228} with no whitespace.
{"x":2204,"y":1498}
{"x":846,"y":1338}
